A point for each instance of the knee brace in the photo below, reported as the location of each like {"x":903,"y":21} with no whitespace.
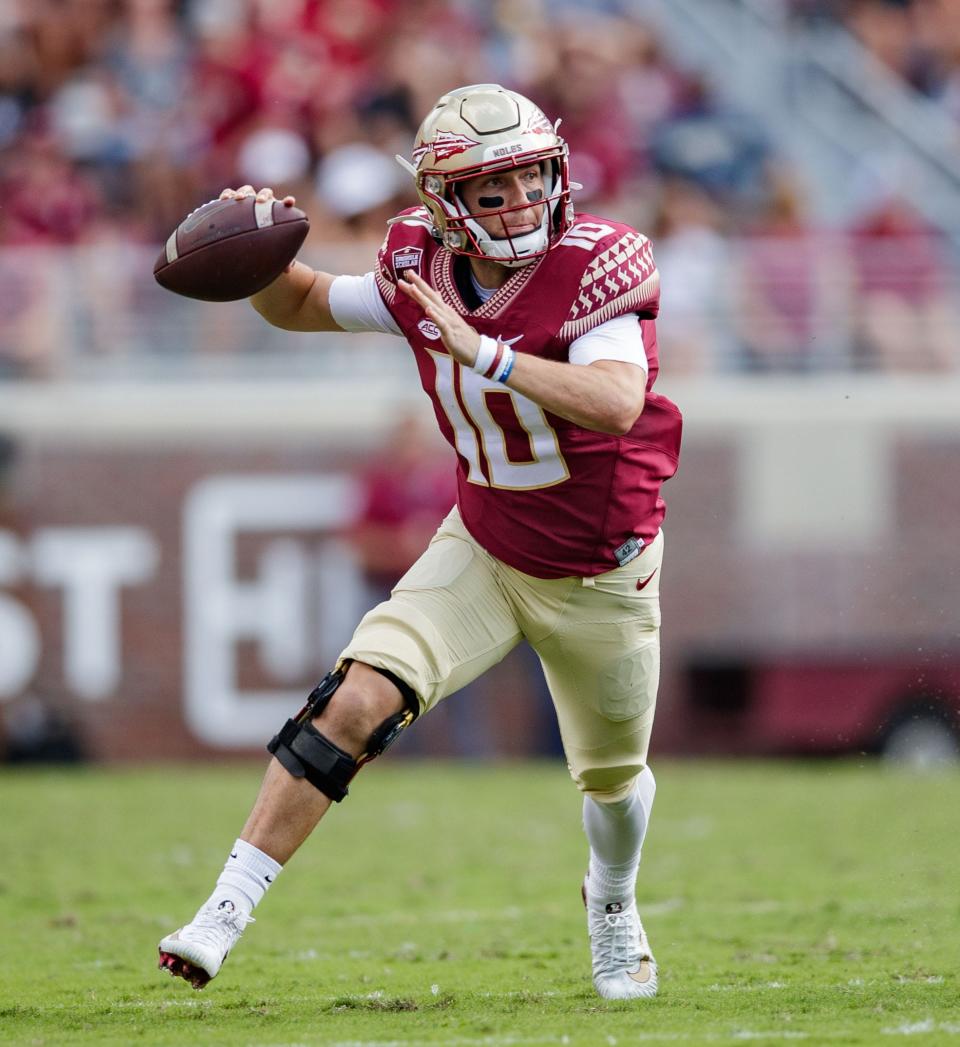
{"x":306,"y":753}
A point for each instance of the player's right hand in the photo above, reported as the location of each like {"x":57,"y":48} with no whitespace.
{"x":262,"y":195}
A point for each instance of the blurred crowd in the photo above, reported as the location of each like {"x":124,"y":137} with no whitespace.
{"x":117,"y":117}
{"x":918,"y":40}
{"x":131,"y":111}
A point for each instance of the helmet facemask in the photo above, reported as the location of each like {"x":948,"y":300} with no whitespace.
{"x":465,"y":235}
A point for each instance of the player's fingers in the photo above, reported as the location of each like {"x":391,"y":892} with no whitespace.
{"x":421,"y":285}
{"x":265,"y":194}
{"x":442,"y":314}
{"x":417,"y":280}
{"x":452,"y":334}
{"x":430,"y":302}
{"x":245,"y":190}
{"x":442,"y":317}
{"x":227,"y":194}
{"x":289,"y":201}
{"x":414,"y":292}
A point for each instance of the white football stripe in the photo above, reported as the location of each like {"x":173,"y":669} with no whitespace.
{"x":172,"y":247}
{"x":263,"y":210}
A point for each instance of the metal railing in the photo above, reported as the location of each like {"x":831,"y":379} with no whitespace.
{"x":817,"y":303}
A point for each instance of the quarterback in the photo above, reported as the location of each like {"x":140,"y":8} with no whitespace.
{"x":533,"y":331}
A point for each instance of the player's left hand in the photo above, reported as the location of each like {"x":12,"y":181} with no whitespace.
{"x":458,"y":336}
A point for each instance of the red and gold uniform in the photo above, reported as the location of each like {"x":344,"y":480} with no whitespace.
{"x":556,"y":536}
{"x":540,"y":493}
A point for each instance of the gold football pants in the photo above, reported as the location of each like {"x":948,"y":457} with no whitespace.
{"x":458,"y":611}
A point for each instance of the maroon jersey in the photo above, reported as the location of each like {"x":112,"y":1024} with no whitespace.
{"x":542,"y":494}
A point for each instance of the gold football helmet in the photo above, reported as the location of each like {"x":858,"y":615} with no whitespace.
{"x":478,"y":130}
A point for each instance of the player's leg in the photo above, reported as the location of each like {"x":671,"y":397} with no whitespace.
{"x":288,"y":808}
{"x":601,"y":656}
{"x":446,"y":622}
{"x":615,"y":832}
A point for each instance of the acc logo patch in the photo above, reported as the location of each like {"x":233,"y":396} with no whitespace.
{"x":429,"y":330}
{"x":407,"y":258}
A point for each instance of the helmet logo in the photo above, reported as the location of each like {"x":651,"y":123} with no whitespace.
{"x":539,"y":124}
{"x":449,"y":143}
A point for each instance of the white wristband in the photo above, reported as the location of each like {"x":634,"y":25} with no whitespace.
{"x":494,"y":359}
{"x":486,"y":354}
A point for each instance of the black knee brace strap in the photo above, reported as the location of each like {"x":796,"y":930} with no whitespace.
{"x":305,"y":753}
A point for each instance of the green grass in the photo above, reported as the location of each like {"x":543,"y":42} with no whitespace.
{"x":440,"y":904}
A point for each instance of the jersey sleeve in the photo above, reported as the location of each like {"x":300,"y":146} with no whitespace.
{"x":619,"y":339}
{"x":620,"y":278}
{"x":403,"y":248}
{"x":357,"y":305}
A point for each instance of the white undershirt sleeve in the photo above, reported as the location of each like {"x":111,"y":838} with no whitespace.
{"x":357,"y":305}
{"x":619,"y":339}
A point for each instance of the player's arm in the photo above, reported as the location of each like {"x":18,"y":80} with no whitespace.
{"x":299,"y":299}
{"x":606,"y":396}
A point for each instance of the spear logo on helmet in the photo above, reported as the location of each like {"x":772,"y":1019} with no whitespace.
{"x":448,"y":143}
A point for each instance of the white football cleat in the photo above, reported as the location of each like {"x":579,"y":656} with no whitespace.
{"x":196,"y":951}
{"x":623,"y":965}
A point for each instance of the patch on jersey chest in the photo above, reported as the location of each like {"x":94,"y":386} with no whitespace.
{"x":407,"y":258}
{"x":429,"y":329}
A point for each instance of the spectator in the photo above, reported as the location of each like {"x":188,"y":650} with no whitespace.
{"x":407,"y":492}
{"x":904,"y":319}
{"x":724,"y":150}
{"x":790,"y":287}
{"x":696,"y":299}
{"x":118,"y":117}
{"x":582,"y":82}
{"x":46,"y":199}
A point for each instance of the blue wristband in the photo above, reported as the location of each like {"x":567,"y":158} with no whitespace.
{"x":507,"y":366}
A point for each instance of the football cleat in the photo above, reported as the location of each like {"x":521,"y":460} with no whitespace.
{"x":623,"y":965}
{"x":196,"y":952}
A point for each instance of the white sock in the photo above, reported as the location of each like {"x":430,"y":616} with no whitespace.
{"x":246,"y":876}
{"x":616,"y":832}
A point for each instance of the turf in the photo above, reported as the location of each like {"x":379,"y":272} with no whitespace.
{"x":440,"y":905}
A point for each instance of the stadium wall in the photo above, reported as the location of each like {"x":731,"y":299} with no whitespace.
{"x":176,"y":567}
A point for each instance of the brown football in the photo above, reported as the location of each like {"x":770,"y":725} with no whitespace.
{"x":230,"y":249}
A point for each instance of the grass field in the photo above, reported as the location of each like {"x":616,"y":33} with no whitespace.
{"x":440,"y":905}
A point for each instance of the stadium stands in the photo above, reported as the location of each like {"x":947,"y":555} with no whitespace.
{"x":118,"y":118}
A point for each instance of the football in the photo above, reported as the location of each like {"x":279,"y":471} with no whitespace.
{"x":230,"y":249}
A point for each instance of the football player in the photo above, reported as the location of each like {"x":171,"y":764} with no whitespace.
{"x":533,"y":331}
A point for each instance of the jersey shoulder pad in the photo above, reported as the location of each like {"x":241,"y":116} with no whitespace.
{"x":619,"y":274}
{"x":407,"y":245}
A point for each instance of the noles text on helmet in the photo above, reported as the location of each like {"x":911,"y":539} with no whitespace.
{"x":481,"y":130}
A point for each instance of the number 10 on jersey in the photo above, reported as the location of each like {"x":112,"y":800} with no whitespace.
{"x":480,"y":438}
